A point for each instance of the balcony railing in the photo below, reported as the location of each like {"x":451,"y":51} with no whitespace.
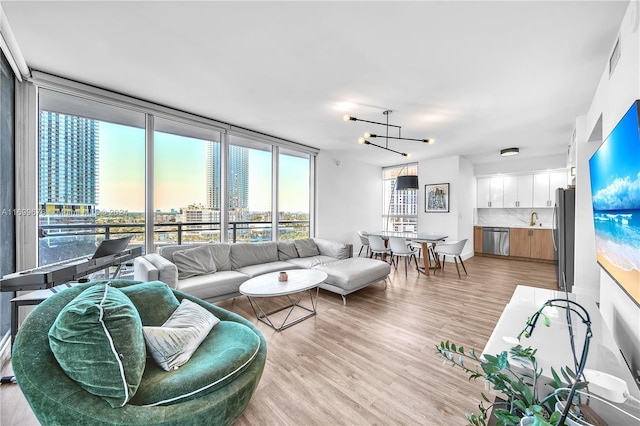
{"x":67,"y":241}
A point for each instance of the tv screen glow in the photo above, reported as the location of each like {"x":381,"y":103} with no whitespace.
{"x":615,"y":191}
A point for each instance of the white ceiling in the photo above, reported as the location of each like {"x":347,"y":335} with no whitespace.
{"x":476,"y":76}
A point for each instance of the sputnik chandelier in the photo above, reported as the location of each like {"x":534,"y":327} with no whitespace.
{"x":365,"y":138}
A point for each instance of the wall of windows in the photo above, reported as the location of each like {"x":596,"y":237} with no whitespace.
{"x":110,"y":166}
{"x":186,"y":183}
{"x":91,"y":176}
{"x":400,"y":207}
{"x":293,"y":195}
{"x":7,"y":196}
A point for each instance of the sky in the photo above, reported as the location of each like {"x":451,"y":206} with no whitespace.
{"x":615,"y":167}
{"x":180,"y":173}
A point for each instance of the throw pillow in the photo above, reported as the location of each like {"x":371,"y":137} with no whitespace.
{"x":154,"y":301}
{"x":97,"y":340}
{"x":172,"y":344}
{"x":287,"y":250}
{"x":306,"y":247}
{"x":194,"y":262}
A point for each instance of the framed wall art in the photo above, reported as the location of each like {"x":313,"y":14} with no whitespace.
{"x":436,"y":198}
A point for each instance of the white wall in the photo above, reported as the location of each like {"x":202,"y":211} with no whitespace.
{"x":586,"y":269}
{"x":613,"y":97}
{"x":457,"y":224}
{"x":349,"y":198}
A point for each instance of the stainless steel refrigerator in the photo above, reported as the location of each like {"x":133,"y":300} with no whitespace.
{"x":564,"y":217}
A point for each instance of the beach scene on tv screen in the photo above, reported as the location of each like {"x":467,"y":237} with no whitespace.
{"x":615,"y":191}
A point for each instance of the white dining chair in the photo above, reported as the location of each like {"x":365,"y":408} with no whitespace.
{"x":451,"y":248}
{"x":364,"y":239}
{"x":399,"y":248}
{"x":376,"y":244}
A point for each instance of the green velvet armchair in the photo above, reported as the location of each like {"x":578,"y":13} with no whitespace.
{"x":56,"y":399}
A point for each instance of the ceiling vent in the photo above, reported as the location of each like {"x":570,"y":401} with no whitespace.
{"x":615,"y":57}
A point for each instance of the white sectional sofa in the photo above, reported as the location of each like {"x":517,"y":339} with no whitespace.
{"x":214,"y":271}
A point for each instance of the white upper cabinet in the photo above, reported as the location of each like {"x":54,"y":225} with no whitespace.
{"x":490,"y":192}
{"x":545,"y":185}
{"x":529,"y":190}
{"x":518,"y":191}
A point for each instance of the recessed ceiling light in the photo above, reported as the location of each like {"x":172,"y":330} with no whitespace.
{"x":508,"y":152}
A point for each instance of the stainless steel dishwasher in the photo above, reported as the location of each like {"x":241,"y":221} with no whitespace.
{"x":495,"y":241}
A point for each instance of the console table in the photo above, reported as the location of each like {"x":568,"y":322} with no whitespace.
{"x":553,"y":344}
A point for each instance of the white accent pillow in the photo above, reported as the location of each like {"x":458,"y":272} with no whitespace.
{"x":172,"y":344}
{"x":193,"y":262}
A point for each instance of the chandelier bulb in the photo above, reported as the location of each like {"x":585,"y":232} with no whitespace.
{"x":406,"y":154}
{"x":362,"y":141}
{"x":346,"y":117}
{"x":367,"y":135}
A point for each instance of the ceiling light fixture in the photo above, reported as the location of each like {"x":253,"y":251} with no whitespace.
{"x":364,"y":140}
{"x":508,"y":152}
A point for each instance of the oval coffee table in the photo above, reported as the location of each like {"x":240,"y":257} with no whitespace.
{"x":259,"y":288}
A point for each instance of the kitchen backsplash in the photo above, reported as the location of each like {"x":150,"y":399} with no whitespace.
{"x":513,"y":218}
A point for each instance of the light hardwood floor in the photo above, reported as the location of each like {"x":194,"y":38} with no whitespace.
{"x":373,"y":361}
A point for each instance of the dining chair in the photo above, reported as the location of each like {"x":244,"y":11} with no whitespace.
{"x":376,"y":244}
{"x":364,"y":239}
{"x":399,"y":248}
{"x":451,"y":248}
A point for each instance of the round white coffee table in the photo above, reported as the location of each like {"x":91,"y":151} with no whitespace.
{"x":299,"y":281}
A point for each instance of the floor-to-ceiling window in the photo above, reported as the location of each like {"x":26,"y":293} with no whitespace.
{"x":186,"y":183}
{"x":249,"y":189}
{"x":293,"y":194}
{"x":400,"y":207}
{"x":91,"y":175}
{"x":7,"y":198}
{"x":111,"y":166}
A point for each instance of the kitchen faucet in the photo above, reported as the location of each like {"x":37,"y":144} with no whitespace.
{"x":533,"y":221}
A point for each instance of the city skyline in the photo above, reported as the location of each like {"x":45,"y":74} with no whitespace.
{"x":121,"y":162}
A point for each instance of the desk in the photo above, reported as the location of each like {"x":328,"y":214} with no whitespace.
{"x":553,"y":344}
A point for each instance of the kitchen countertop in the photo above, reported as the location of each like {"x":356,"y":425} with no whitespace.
{"x":516,"y":226}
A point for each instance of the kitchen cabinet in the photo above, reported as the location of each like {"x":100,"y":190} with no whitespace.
{"x":477,"y":239}
{"x":490,"y":192}
{"x":531,"y":243}
{"x":545,"y":185}
{"x":518,"y":191}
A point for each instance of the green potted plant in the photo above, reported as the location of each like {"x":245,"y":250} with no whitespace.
{"x":520,"y":385}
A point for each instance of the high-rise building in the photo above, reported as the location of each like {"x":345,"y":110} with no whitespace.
{"x":238,"y":177}
{"x":68,"y":172}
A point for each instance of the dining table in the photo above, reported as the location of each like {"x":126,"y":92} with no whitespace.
{"x":428,"y":242}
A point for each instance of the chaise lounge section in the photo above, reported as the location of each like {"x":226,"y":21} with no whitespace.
{"x":220,"y":268}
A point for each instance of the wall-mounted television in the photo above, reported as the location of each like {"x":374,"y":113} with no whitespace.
{"x":615,"y":192}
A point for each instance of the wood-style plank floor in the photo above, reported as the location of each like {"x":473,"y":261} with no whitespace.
{"x":373,"y":361}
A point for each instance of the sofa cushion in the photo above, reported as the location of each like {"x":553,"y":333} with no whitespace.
{"x":167,"y":270}
{"x":245,"y":254}
{"x":287,"y":250}
{"x":333,"y":248}
{"x":306,"y":247}
{"x":310,"y":262}
{"x":97,"y":340}
{"x":226,"y":351}
{"x":213,"y":285}
{"x":172,"y":344}
{"x":264,"y":268}
{"x":154,"y":301}
{"x":221,"y":253}
{"x":194,"y":261}
{"x":355,"y":272}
